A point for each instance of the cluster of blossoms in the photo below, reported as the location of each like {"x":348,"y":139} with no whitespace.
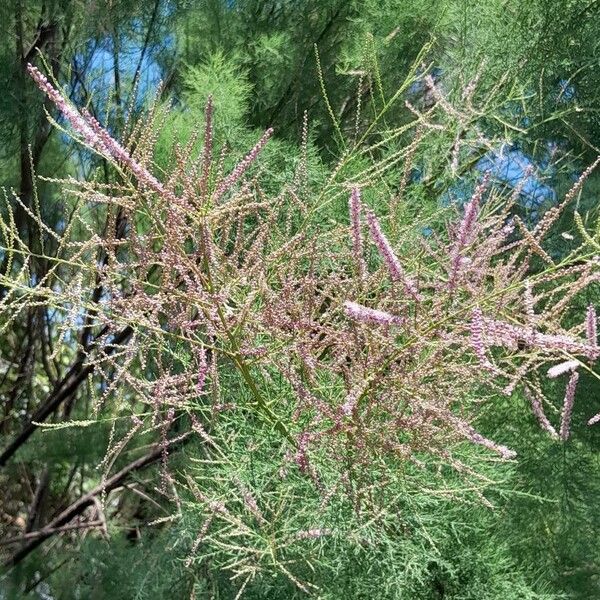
{"x":221,"y":288}
{"x":399,"y":356}
{"x":486,"y":332}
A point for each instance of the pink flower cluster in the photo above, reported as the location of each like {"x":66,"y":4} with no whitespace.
{"x":507,"y":335}
{"x":392,"y":262}
{"x":96,"y":136}
{"x":355,"y":207}
{"x":370,"y":315}
{"x":466,"y":231}
{"x":243,"y":165}
{"x":565,"y":420}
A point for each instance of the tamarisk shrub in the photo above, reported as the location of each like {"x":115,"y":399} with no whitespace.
{"x":355,"y":358}
{"x":407,"y":340}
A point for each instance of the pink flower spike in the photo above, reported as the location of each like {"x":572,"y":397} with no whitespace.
{"x":70,"y":113}
{"x":591,"y":330}
{"x":202,"y":371}
{"x":350,"y":403}
{"x":465,"y":231}
{"x":312,"y":533}
{"x":477,"y":341}
{"x":469,"y":432}
{"x":391,"y":260}
{"x":477,"y":438}
{"x":594,"y":419}
{"x":563,"y":367}
{"x":243,"y":165}
{"x":501,"y":333}
{"x":116,"y":151}
{"x":355,"y":207}
{"x":538,"y":411}
{"x":358,"y":312}
{"x":529,"y":303}
{"x":96,"y":136}
{"x":567,"y":411}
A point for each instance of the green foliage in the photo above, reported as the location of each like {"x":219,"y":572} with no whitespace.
{"x":227,"y":84}
{"x":521,"y":531}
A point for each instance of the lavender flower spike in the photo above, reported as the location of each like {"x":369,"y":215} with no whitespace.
{"x":501,"y":333}
{"x":358,"y":312}
{"x":474,"y":436}
{"x":312,"y":533}
{"x":503,"y":451}
{"x":75,"y":119}
{"x":594,"y":419}
{"x":96,"y":136}
{"x":202,"y":371}
{"x":391,"y":260}
{"x":351,"y":401}
{"x":563,"y":367}
{"x":565,"y":421}
{"x":243,"y":165}
{"x":477,"y":341}
{"x":465,"y":231}
{"x":115,"y":150}
{"x":469,"y":432}
{"x":538,"y":411}
{"x":591,"y":330}
{"x":355,"y":207}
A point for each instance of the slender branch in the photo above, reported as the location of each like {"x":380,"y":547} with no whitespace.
{"x":138,"y":69}
{"x":40,"y":491}
{"x":36,"y":534}
{"x":67,"y":386}
{"x":89,"y":499}
{"x":300,"y":67}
